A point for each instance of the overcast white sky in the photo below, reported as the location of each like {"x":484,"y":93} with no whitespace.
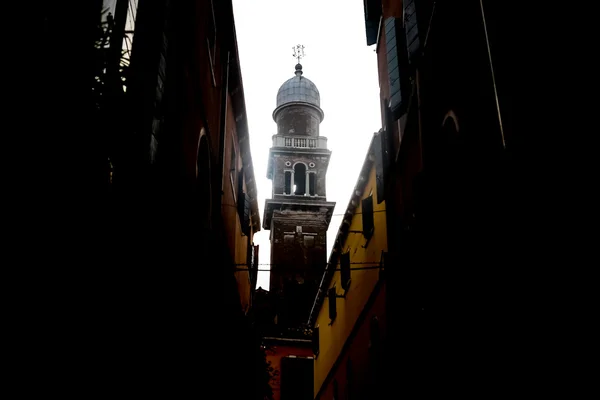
{"x":337,"y":60}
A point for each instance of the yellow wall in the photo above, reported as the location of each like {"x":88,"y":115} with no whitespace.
{"x":237,"y":241}
{"x":332,"y":337}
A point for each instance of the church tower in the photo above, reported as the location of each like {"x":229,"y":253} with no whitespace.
{"x":298,"y":213}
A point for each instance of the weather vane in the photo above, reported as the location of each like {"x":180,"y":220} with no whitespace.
{"x":298,"y":52}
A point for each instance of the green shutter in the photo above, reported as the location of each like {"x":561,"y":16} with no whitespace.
{"x":331,"y":294}
{"x":246,"y":215}
{"x":345,"y":270}
{"x":241,"y":201}
{"x":367,"y":217}
{"x":396,"y":63}
{"x":411,"y":27}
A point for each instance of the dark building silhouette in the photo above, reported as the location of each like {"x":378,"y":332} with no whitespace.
{"x":449,"y":180}
{"x":157,"y":203}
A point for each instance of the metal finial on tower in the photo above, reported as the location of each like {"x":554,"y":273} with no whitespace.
{"x":298,"y":55}
{"x":298,"y":52}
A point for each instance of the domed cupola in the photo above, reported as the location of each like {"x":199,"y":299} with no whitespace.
{"x":298,"y":110}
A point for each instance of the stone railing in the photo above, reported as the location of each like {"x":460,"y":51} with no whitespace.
{"x":319,"y":142}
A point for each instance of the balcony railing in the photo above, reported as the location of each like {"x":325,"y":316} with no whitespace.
{"x":300,"y":142}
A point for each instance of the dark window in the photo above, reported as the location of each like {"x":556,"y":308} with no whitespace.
{"x":312,"y":183}
{"x":309,"y":241}
{"x":243,"y":204}
{"x":296,"y":378}
{"x":349,"y":379}
{"x":336,"y":394}
{"x":367,"y":217}
{"x":332,"y":306}
{"x":375,"y":334}
{"x":396,"y":62}
{"x":288,"y":183}
{"x":300,"y":179}
{"x":315,"y":341}
{"x":288,"y":239}
{"x":345,"y":270}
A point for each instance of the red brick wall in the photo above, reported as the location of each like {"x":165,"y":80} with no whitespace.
{"x":274,"y":355}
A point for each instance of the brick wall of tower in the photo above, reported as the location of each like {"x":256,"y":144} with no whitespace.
{"x":298,"y":120}
{"x":298,"y":257}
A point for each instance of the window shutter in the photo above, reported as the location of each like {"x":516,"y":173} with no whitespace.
{"x":246,"y":219}
{"x":241,"y":201}
{"x":255,"y":256}
{"x":367,"y":217}
{"x":345,"y":270}
{"x":411,"y":27}
{"x":250,"y":260}
{"x":332,"y":306}
{"x":396,"y":63}
{"x":383,"y":264}
{"x":372,"y":16}
{"x":381,"y":152}
{"x":315,"y":341}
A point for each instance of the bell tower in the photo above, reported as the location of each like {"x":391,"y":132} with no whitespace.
{"x":298,"y":213}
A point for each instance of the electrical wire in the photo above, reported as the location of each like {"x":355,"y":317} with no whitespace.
{"x":333,"y":215}
{"x":334,"y":269}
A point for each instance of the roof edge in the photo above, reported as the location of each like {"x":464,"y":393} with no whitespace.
{"x":341,"y":237}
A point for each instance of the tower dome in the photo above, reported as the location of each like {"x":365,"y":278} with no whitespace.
{"x":298,"y":90}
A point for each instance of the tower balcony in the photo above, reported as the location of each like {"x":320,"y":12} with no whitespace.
{"x":300,"y":142}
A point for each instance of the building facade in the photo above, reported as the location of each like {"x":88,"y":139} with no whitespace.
{"x":348,"y":314}
{"x":182,"y":184}
{"x":445,"y":106}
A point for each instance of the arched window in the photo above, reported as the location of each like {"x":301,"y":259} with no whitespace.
{"x":443,"y":144}
{"x":203,"y":184}
{"x":450,"y":123}
{"x":287,"y":184}
{"x":299,"y":179}
{"x":312,"y":183}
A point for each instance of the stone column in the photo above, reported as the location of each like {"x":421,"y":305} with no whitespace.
{"x":306,"y":184}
